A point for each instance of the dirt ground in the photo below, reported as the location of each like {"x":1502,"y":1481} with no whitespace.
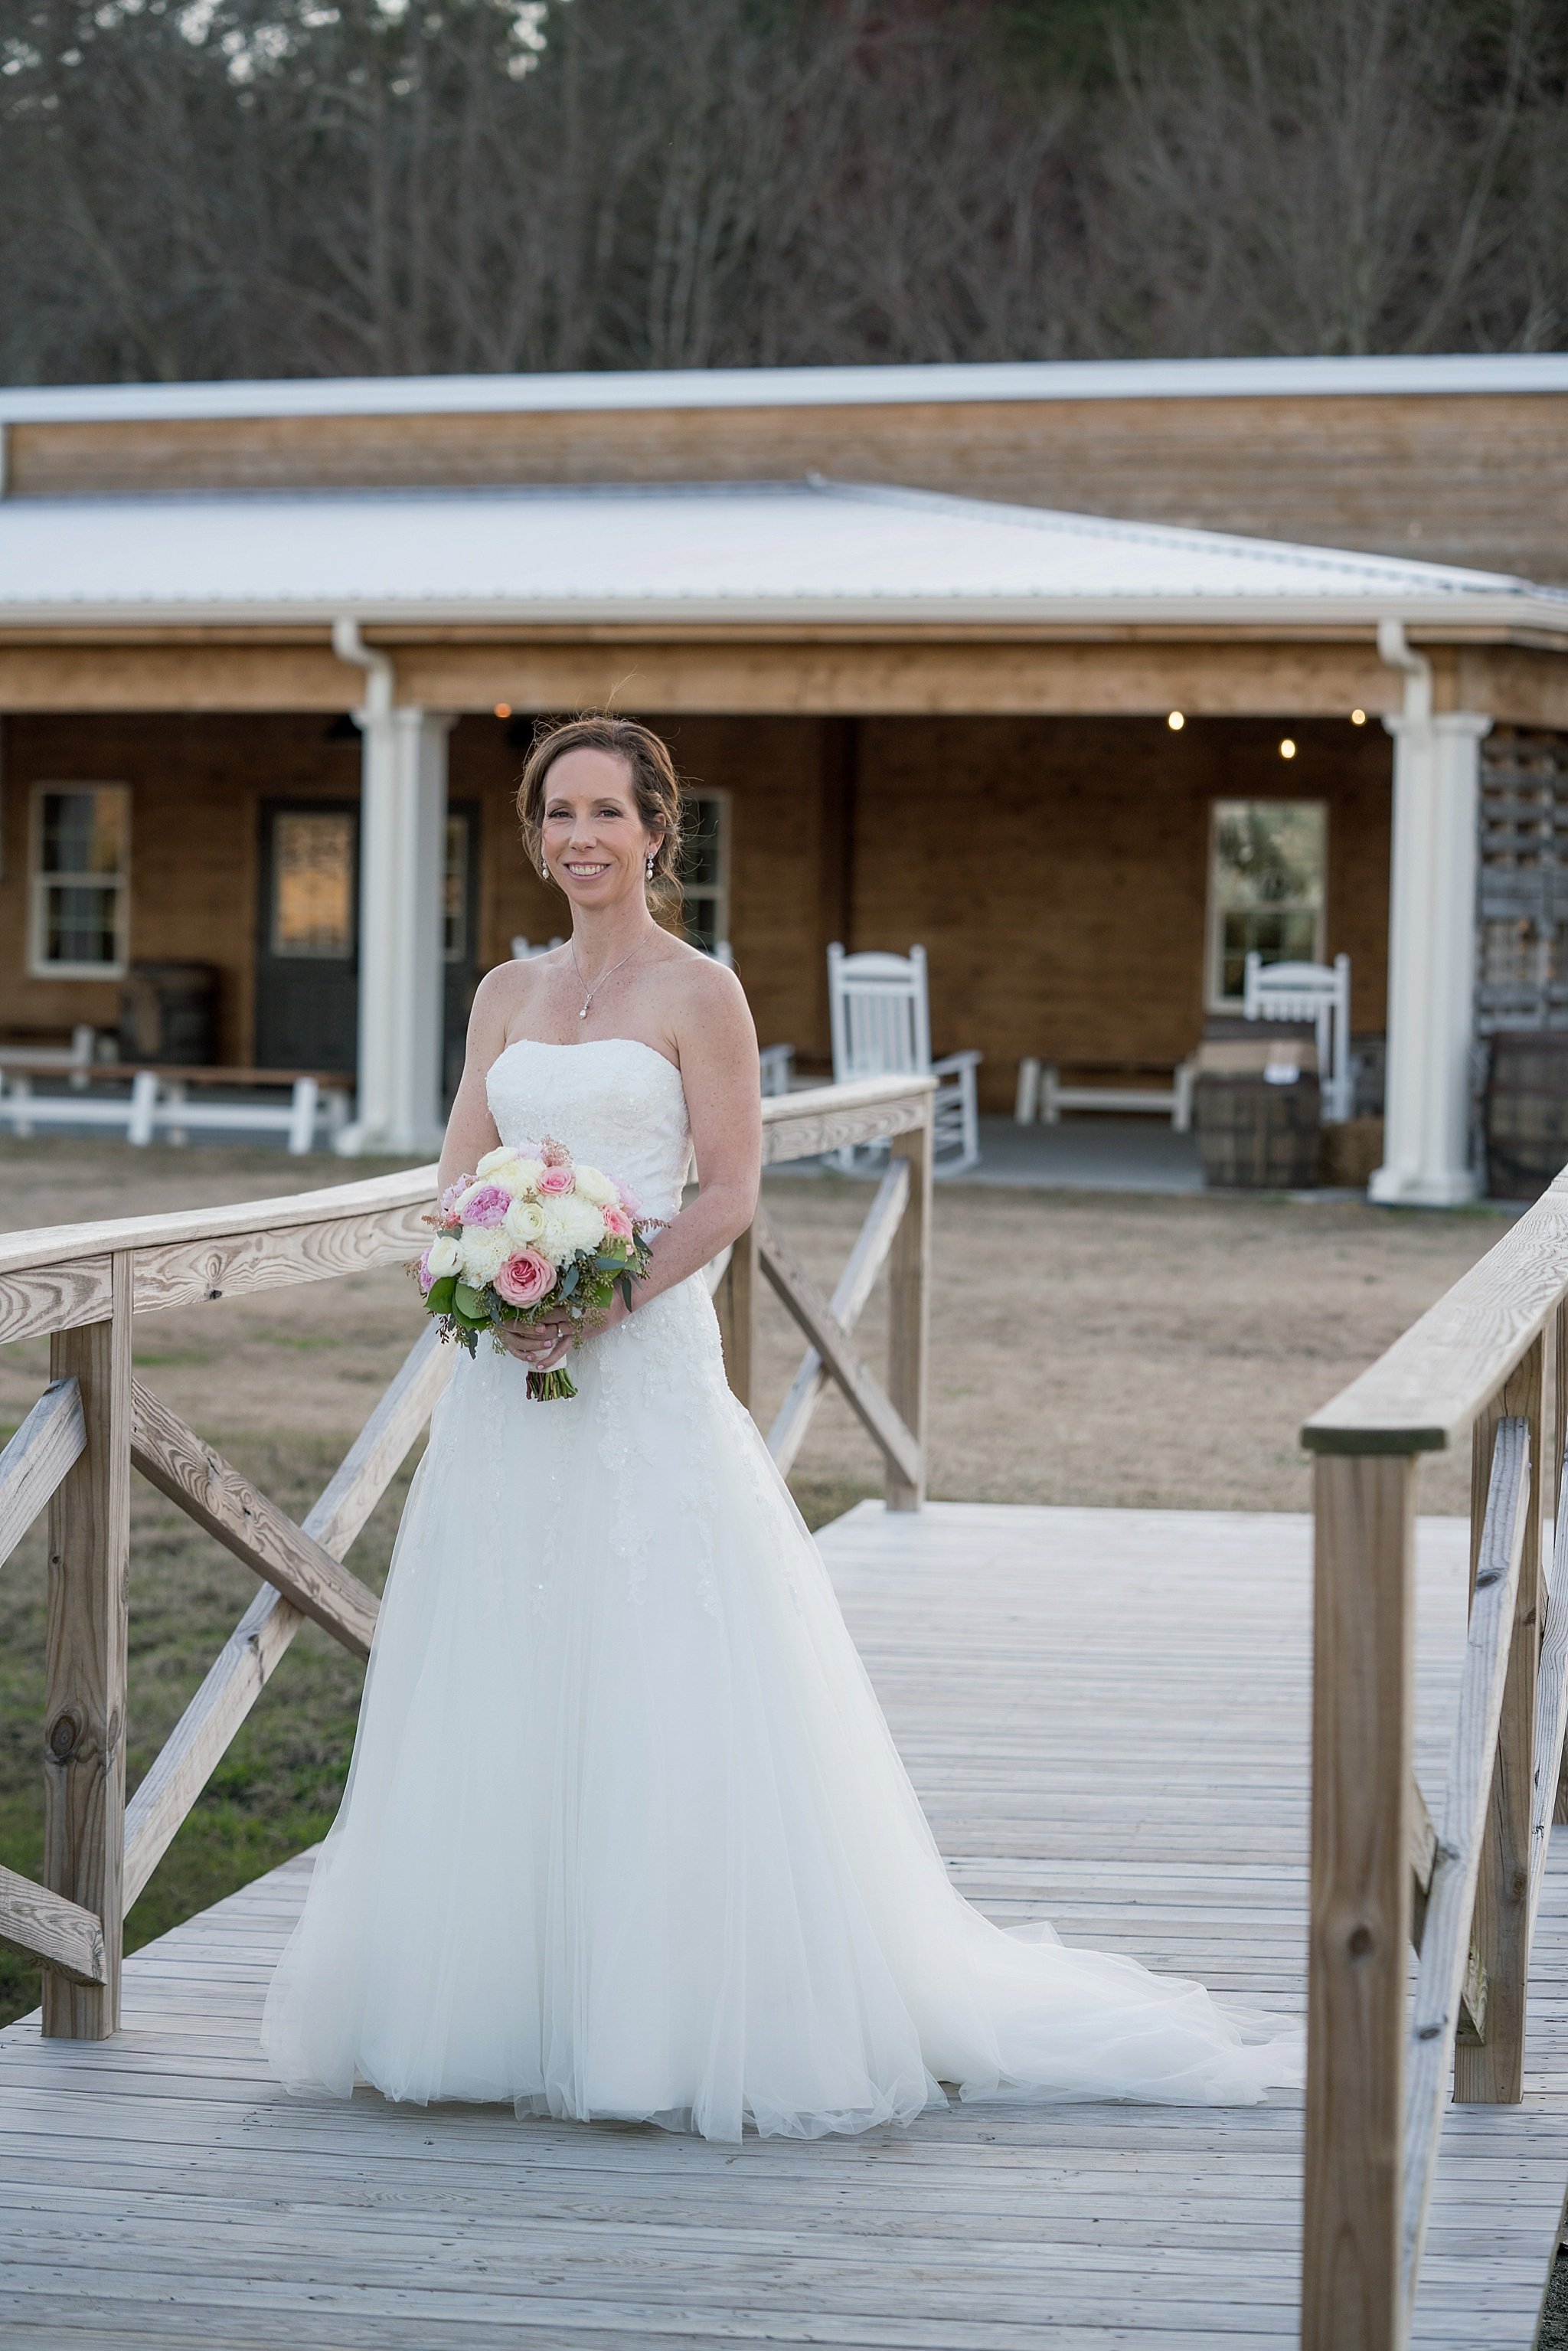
{"x":1086,"y":1349}
{"x":1091,"y":1349}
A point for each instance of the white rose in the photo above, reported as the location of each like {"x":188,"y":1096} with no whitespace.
{"x":595,"y":1187}
{"x":484,"y":1251}
{"x":582,"y":1223}
{"x":523,"y":1223}
{"x":445,"y":1255}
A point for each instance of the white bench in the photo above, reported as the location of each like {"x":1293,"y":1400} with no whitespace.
{"x":23,"y":1112}
{"x":160,"y":1102}
{"x":1042,"y":1095}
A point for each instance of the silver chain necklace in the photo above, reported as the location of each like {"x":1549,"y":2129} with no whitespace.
{"x":590,"y":993}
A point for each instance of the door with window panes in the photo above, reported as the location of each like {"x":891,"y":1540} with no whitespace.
{"x":307,"y":948}
{"x":705,"y":870}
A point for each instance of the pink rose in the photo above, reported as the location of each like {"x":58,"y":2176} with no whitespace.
{"x":488,"y":1206}
{"x":629,"y":1200}
{"x":554,"y":1153}
{"x":618,"y":1224}
{"x":556,"y":1179}
{"x":425,"y":1276}
{"x":525,"y":1279}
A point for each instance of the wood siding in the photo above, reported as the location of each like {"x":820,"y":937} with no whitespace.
{"x":1476,"y":479}
{"x":1055,"y":870}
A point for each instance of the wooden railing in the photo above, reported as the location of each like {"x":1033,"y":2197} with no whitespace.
{"x":83,"y":1284}
{"x":1488,"y":1365}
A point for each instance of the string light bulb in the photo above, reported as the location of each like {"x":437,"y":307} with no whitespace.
{"x":1176,"y":722}
{"x":1358,"y":718}
{"x":1287,"y":750}
{"x":503,"y":709}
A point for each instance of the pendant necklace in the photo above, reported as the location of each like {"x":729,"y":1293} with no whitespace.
{"x":590,"y":993}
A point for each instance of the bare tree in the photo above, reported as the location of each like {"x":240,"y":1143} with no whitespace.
{"x":232,"y":187}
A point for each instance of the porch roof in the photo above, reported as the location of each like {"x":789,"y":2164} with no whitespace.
{"x":804,"y":551}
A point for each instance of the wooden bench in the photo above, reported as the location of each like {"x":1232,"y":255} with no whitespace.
{"x":159,"y":1102}
{"x":1040,"y":1093}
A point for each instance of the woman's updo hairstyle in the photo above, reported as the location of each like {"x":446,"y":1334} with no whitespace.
{"x":655,"y":787}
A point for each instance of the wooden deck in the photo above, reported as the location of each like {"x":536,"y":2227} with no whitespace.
{"x":1105,"y":1713}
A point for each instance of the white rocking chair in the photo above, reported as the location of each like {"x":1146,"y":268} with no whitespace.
{"x":1318,"y":992}
{"x":880,"y":1013}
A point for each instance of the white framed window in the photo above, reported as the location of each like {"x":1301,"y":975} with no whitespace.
{"x":705,"y":863}
{"x":80,"y":880}
{"x":1267,"y":865}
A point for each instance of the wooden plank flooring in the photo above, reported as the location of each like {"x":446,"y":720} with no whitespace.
{"x":1105,"y":1713}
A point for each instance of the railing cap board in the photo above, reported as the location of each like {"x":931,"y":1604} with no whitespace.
{"x":1427,"y":1391}
{"x":52,"y":1245}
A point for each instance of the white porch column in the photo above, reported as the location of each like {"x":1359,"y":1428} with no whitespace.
{"x":402,"y":822}
{"x":1431,"y":952}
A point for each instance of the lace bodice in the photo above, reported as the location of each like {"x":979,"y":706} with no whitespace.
{"x":614,"y":1102}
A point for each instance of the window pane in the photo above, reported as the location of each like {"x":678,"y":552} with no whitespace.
{"x":79,"y":924}
{"x":1268,"y":884}
{"x":702,"y":854}
{"x":701,"y":911}
{"x":84,"y":831}
{"x":313,"y":884}
{"x":1278,"y":938}
{"x":455,"y":888}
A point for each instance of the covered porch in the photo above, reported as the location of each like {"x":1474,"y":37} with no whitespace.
{"x":1002,"y":731}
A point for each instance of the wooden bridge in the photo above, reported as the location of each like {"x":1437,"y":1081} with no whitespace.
{"x":1109,"y":1718}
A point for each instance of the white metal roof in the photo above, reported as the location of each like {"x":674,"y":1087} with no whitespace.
{"x":810,"y":387}
{"x":727,"y":552}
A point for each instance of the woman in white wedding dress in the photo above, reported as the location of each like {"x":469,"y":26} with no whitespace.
{"x":625,"y":1833}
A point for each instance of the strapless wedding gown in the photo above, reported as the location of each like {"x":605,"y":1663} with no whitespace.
{"x":625,"y":1833}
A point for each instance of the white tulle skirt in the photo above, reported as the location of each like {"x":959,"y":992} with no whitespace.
{"x":625,"y":1833}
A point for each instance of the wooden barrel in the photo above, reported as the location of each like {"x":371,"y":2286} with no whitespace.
{"x":168,"y":1013}
{"x":1526,"y":1112}
{"x":1255,"y":1134}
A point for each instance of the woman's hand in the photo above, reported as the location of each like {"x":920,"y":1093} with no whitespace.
{"x":542,"y":1345}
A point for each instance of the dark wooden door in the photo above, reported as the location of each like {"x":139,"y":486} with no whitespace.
{"x":307,"y":959}
{"x":460,"y":942}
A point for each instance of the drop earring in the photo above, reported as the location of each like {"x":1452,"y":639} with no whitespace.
{"x":544,"y":871}
{"x":650,"y":869}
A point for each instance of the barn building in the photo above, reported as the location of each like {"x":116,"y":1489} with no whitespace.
{"x":1005,"y":659}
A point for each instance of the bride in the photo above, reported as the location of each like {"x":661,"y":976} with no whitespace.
{"x":625,"y":1833}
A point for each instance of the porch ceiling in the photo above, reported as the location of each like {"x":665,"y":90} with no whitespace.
{"x":826,"y":555}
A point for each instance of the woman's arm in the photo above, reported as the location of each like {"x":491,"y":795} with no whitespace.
{"x":471,"y":1131}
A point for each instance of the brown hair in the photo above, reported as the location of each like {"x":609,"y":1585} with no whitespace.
{"x":655,"y":787}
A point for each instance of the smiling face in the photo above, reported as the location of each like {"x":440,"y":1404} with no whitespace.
{"x":592,"y":836}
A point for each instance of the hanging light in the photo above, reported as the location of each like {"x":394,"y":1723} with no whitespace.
{"x":1287,"y":750}
{"x":1358,"y":718}
{"x":503,"y":709}
{"x":1176,"y":722}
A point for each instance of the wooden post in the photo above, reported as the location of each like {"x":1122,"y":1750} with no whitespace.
{"x":738,"y":1295}
{"x":84,"y":1718}
{"x":1490,"y":2072}
{"x":1362,"y":1622}
{"x":909,"y":1308}
{"x":1560,"y":1423}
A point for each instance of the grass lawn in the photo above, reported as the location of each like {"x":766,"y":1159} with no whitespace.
{"x":1136,"y":1351}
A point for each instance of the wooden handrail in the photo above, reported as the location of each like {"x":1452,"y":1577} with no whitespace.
{"x":1466,"y":1887}
{"x":81,"y":1284}
{"x":1428,"y":1388}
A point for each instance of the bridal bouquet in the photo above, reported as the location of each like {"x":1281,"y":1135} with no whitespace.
{"x":531,"y":1232}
